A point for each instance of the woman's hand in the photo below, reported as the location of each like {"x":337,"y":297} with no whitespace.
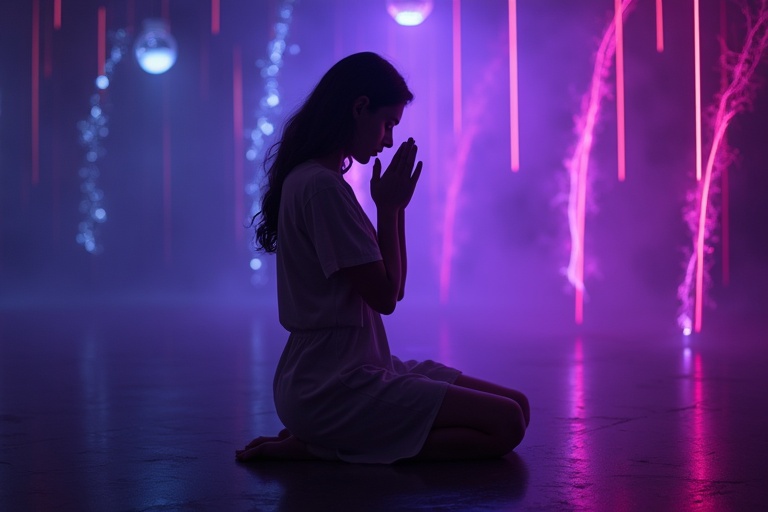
{"x":395,"y":188}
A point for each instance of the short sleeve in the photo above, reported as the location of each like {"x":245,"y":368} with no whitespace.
{"x":339,"y":230}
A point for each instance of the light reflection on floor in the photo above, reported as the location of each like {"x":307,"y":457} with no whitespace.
{"x":142,"y":410}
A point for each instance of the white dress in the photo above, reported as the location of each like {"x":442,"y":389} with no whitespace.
{"x":337,"y":387}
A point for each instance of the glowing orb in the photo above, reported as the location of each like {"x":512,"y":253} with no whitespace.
{"x":155,"y":47}
{"x":409,"y":12}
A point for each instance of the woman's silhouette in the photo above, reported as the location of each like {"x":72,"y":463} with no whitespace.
{"x":339,"y":392}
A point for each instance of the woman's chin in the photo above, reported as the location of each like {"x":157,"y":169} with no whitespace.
{"x":362,"y":159}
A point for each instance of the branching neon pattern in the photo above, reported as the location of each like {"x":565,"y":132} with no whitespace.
{"x":577,"y":163}
{"x":476,"y":107}
{"x":701,"y":216}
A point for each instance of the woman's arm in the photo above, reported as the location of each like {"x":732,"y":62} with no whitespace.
{"x":403,"y":253}
{"x":380,"y":283}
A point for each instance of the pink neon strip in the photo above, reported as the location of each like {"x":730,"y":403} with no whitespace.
{"x":47,"y":51}
{"x":697,"y":84}
{"x":35,"y":92}
{"x":102,"y":37}
{"x":215,"y":16}
{"x":619,"y":31}
{"x":725,"y":229}
{"x":514,"y":127}
{"x":724,"y":207}
{"x":237,"y":129}
{"x":457,"y":113}
{"x":57,"y":14}
{"x":659,"y":26}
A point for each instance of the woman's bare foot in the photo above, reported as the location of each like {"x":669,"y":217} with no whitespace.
{"x":283,"y":447}
{"x":265,"y":439}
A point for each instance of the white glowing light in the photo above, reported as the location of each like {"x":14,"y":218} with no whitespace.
{"x":267,"y":128}
{"x":273,"y":100}
{"x":256,"y":264}
{"x":687,"y":331}
{"x":100,"y":214}
{"x":409,"y":13}
{"x":102,"y":82}
{"x":155,"y":47}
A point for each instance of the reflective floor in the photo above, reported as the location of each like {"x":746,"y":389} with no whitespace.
{"x":142,"y":409}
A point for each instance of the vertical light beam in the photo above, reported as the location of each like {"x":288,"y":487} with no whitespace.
{"x":57,"y":14}
{"x":215,"y":16}
{"x":514,"y":125}
{"x":35,"y":92}
{"x":697,"y":83}
{"x":102,"y":39}
{"x":621,"y":149}
{"x":457,"y":113}
{"x":577,"y":163}
{"x":701,"y":217}
{"x":237,"y":130}
{"x":659,"y":26}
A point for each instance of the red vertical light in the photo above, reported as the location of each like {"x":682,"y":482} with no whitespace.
{"x":102,"y":39}
{"x":697,"y":83}
{"x":659,"y":26}
{"x":457,"y":114}
{"x":237,"y":116}
{"x":619,"y":22}
{"x":724,"y":214}
{"x":35,"y":92}
{"x":514,"y":129}
{"x":215,"y":16}
{"x":57,"y":14}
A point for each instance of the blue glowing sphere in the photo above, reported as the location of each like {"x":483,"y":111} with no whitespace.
{"x":409,"y":12}
{"x":155,"y":47}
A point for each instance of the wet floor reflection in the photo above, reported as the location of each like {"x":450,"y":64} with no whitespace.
{"x":581,"y":493}
{"x":484,"y":485}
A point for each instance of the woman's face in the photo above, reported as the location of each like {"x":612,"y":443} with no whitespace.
{"x":373,"y":129}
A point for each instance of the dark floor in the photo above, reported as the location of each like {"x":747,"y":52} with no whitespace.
{"x":143,"y":409}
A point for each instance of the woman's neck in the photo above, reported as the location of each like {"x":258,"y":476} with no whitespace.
{"x":332,"y":161}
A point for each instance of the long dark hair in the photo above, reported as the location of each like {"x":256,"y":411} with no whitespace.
{"x":323,"y":125}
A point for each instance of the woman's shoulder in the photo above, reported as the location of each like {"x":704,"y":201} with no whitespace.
{"x":311,"y":177}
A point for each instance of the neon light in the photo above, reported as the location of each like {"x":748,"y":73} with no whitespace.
{"x":578,"y":163}
{"x":697,"y":84}
{"x":514,"y":128}
{"x":475,"y":108}
{"x":237,"y":130}
{"x":457,"y":114}
{"x":102,"y":36}
{"x":35,"y":92}
{"x":659,"y":26}
{"x":702,"y":219}
{"x":57,"y":14}
{"x":725,"y":261}
{"x":619,"y":24}
{"x":215,"y":16}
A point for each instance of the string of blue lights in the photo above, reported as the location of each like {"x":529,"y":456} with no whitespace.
{"x":93,"y":130}
{"x":268,"y":109}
